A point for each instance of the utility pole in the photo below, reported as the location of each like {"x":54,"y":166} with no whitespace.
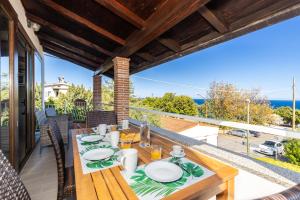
{"x":248,"y":121}
{"x":294,"y":105}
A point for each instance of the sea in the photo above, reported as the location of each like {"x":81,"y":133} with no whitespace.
{"x":273,"y":103}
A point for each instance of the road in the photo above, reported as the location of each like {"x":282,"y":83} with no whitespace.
{"x":235,"y":143}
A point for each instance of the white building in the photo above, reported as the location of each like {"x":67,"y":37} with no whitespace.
{"x":198,"y":131}
{"x":54,"y":89}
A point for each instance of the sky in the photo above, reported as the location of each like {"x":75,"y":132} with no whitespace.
{"x":267,"y":59}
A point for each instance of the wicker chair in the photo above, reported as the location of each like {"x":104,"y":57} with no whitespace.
{"x":94,"y":118}
{"x":11,"y":186}
{"x":63,"y":124}
{"x":66,"y":180}
{"x":292,"y":193}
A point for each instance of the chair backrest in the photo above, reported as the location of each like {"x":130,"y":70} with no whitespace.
{"x":11,"y":186}
{"x":58,"y":145}
{"x":50,"y":112}
{"x":94,"y":118}
{"x":40,"y":116}
{"x":292,"y":193}
{"x":80,"y":103}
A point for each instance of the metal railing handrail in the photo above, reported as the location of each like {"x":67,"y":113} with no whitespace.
{"x":231,"y":124}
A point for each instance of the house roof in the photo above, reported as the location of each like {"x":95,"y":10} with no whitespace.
{"x":176,"y":125}
{"x":91,"y":32}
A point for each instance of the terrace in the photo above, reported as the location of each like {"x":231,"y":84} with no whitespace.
{"x":117,"y":39}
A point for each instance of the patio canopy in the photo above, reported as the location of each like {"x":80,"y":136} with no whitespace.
{"x":149,"y":32}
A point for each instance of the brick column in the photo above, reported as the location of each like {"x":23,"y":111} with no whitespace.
{"x":97,"y":92}
{"x":121,"y":87}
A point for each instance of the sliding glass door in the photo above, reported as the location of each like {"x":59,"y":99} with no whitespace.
{"x":4,"y":84}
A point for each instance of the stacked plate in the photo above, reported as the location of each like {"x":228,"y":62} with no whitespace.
{"x":98,"y":154}
{"x":163,"y":171}
{"x":92,"y":138}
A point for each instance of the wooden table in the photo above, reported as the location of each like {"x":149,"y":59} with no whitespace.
{"x":110,"y":185}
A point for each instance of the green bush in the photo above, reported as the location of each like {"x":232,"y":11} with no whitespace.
{"x":292,"y":151}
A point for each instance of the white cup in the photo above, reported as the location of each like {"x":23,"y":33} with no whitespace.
{"x":125,"y":124}
{"x":178,"y":150}
{"x":114,"y":138}
{"x":102,"y":129}
{"x":129,"y":159}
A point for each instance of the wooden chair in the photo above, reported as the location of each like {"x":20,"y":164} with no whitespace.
{"x":11,"y":186}
{"x":66,"y":179}
{"x":94,"y":118}
{"x":292,"y":193}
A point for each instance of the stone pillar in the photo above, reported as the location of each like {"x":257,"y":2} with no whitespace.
{"x":97,"y":92}
{"x":121,"y":88}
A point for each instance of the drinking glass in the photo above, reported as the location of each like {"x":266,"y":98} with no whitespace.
{"x":113,"y":127}
{"x":156,"y":152}
{"x":126,"y":144}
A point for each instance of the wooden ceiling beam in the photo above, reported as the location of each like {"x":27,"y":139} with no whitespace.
{"x":83,"y":21}
{"x":218,"y":24}
{"x":69,"y":54}
{"x":170,"y":43}
{"x":62,"y":44}
{"x":165,"y":17}
{"x":123,"y":12}
{"x":67,"y":34}
{"x":146,"y":56}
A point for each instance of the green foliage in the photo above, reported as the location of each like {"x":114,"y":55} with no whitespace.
{"x":226,"y":102}
{"x":292,"y":151}
{"x":38,"y":96}
{"x":171,"y":103}
{"x":65,"y":102}
{"x":287,"y":114}
{"x":279,"y":163}
{"x":138,"y":115}
{"x":168,"y":103}
{"x":108,"y":94}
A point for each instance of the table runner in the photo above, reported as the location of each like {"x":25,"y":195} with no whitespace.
{"x":148,"y":189}
{"x":93,"y":166}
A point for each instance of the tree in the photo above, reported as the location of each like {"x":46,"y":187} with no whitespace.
{"x":287,"y":114}
{"x":292,"y":151}
{"x":38,"y":96}
{"x":65,"y":102}
{"x":171,"y":103}
{"x":226,"y":102}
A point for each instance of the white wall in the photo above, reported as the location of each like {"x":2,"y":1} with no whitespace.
{"x":17,"y":5}
{"x":210,"y":134}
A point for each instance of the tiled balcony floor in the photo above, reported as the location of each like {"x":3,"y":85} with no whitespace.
{"x":40,"y":178}
{"x":40,"y":174}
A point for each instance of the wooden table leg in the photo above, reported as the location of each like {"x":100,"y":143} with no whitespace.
{"x":228,"y":193}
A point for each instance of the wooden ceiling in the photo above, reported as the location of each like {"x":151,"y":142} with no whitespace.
{"x":91,"y":32}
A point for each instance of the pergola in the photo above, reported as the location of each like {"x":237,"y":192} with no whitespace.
{"x":103,"y":35}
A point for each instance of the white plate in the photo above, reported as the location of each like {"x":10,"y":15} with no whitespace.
{"x":91,"y":138}
{"x":163,"y":171}
{"x":98,"y":154}
{"x":177,"y":155}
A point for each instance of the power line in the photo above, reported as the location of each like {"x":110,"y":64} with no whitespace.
{"x":204,"y":89}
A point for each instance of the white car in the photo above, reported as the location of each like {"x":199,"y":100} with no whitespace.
{"x":271,"y":147}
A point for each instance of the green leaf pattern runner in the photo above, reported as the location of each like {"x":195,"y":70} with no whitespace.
{"x":148,"y":189}
{"x":93,"y":166}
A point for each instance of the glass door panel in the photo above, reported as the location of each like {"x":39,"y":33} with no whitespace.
{"x":4,"y":84}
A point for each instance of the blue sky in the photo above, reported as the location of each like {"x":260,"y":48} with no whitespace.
{"x":266,"y":59}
